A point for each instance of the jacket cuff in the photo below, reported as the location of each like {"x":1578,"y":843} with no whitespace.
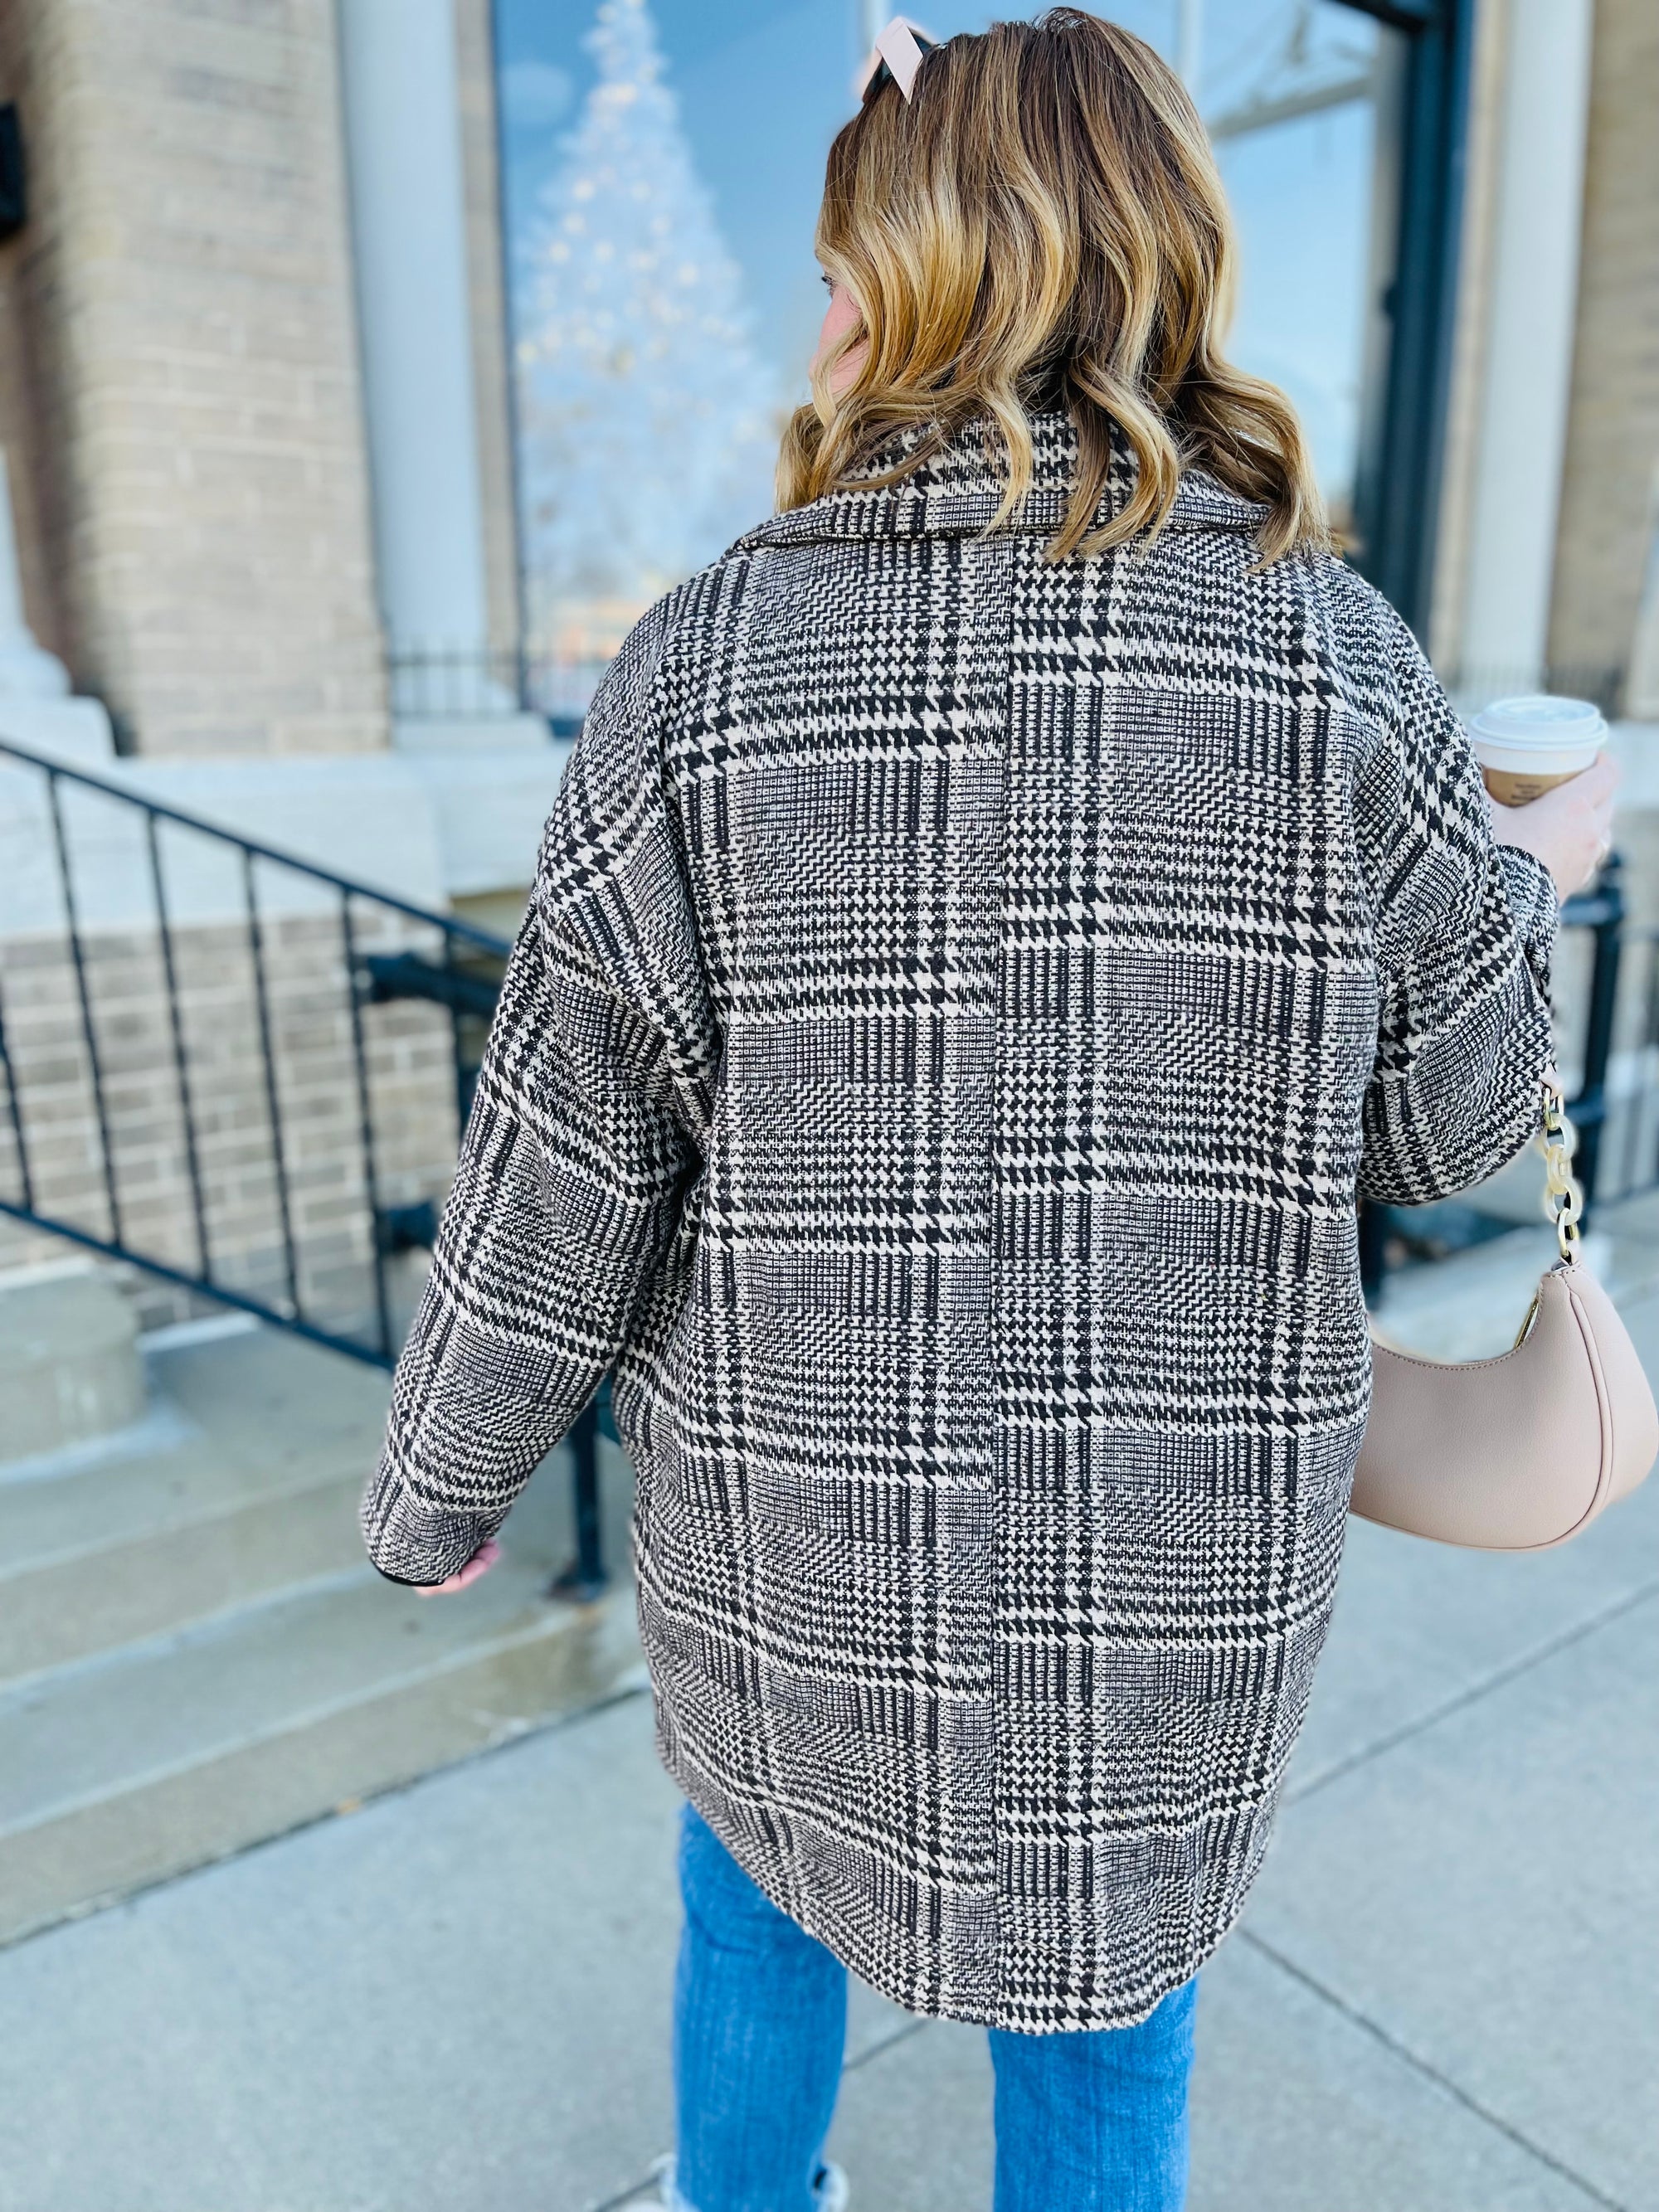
{"x":414,"y":1543}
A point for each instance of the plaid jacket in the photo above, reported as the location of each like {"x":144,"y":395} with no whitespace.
{"x":962,"y":996}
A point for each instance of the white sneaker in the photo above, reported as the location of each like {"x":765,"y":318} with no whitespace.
{"x":829,"y":2190}
{"x":830,"y":2193}
{"x":667,"y":2198}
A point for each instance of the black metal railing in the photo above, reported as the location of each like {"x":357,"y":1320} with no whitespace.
{"x":1617,"y":1155}
{"x":177,"y":880}
{"x":1599,"y":912}
{"x":213,"y":1054}
{"x":445,"y":683}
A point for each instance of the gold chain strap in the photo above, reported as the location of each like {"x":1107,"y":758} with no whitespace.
{"x":1564,"y":1201}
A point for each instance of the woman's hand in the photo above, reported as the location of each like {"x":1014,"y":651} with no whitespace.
{"x":480,"y":1563}
{"x":1570,"y":828}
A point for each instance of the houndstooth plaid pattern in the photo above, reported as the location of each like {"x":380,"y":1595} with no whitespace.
{"x":962,"y":995}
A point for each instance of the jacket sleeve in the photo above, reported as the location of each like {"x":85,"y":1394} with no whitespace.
{"x":1465,"y":929}
{"x":586,"y":1132}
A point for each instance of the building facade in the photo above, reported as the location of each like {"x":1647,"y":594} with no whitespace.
{"x":254,"y":407}
{"x":254,"y":378}
{"x":1546,"y":506}
{"x":257,"y":406}
{"x":253,"y":396}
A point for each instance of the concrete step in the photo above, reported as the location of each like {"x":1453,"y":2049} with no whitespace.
{"x":69,"y":1369}
{"x":194,"y":1655}
{"x":131,"y":1766}
{"x":68,"y":1591}
{"x":240,"y":1478}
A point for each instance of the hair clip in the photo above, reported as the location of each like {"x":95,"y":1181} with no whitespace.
{"x":897,"y":52}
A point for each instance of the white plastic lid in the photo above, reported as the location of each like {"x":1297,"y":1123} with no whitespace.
{"x":1540,"y":721}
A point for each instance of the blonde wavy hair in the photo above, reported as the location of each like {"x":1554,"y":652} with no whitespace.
{"x":1043,"y":226}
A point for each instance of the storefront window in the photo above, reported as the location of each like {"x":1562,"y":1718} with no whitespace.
{"x":662,"y":162}
{"x":1302,"y":103}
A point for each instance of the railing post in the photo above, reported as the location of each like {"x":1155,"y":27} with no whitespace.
{"x":1602,"y":911}
{"x":464,"y":1081}
{"x":180,"y":1057}
{"x":15,"y":1106}
{"x":83,"y":993}
{"x":378,"y":1247}
{"x":1373,"y":1236}
{"x":585,"y":1578}
{"x":256,"y":947}
{"x":368,"y":979}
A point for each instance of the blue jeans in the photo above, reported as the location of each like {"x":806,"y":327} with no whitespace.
{"x":1090,"y":2122}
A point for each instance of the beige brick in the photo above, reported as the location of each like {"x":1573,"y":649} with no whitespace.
{"x":178,"y":365}
{"x":412,"y":1080}
{"x":1612,"y":437}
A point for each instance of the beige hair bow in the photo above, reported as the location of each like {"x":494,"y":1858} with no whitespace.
{"x":901,"y":47}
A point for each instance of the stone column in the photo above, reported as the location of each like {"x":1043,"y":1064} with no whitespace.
{"x":492,"y":367}
{"x":1607,"y":571}
{"x":35,"y":708}
{"x":408,"y":208}
{"x":1520,"y":425}
{"x":177,"y":361}
{"x":26,"y":672}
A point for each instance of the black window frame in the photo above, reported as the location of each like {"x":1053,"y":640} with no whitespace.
{"x":1397,"y":496}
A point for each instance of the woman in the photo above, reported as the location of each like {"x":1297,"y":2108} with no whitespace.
{"x":995,"y":922}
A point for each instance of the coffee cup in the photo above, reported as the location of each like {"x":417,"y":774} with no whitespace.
{"x":1527,"y":746}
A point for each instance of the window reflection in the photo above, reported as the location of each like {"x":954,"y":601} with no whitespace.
{"x":1301,"y":101}
{"x":662,"y":163}
{"x":649,"y":409}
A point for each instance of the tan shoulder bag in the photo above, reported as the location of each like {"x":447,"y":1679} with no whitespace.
{"x":1520,"y":1452}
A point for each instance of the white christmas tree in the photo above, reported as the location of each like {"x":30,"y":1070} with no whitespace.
{"x":650,"y":424}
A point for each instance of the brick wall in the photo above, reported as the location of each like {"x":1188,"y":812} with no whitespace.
{"x":1613,"y":438}
{"x":178,"y":369}
{"x":411,"y":1091}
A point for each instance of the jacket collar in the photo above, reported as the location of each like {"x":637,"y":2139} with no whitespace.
{"x":955,"y":492}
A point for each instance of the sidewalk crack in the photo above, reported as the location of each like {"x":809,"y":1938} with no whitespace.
{"x":1428,"y":2071}
{"x":1631,"y":1602}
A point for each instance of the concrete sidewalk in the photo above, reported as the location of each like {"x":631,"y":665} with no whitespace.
{"x":1445,"y":1997}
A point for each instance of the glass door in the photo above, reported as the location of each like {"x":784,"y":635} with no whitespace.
{"x":663,"y":161}
{"x":1302,"y":102}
